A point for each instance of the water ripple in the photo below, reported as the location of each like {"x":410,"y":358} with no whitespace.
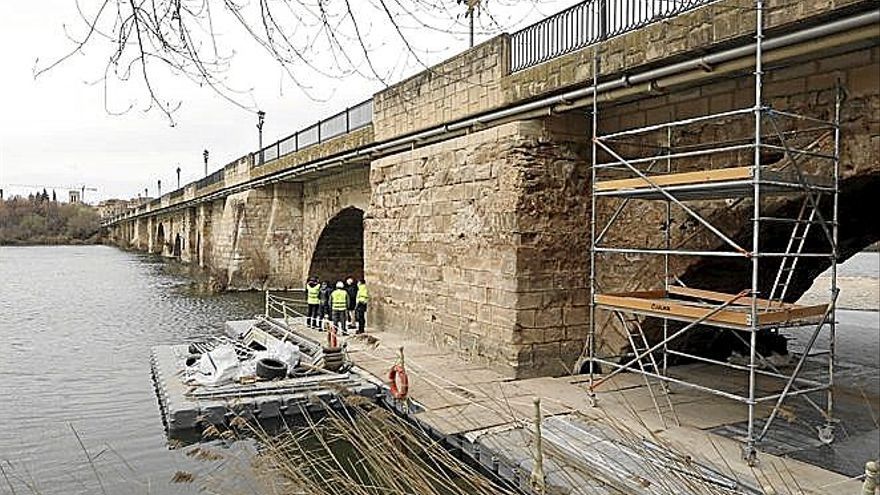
{"x":77,"y":324}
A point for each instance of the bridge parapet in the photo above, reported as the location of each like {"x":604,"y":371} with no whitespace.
{"x":349,"y":141}
{"x":347,"y":121}
{"x":466,"y":84}
{"x":697,"y":26}
{"x":238,"y":171}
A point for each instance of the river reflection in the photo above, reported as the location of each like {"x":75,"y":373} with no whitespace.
{"x":77,"y":324}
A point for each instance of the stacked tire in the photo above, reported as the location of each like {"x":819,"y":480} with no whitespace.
{"x":333,"y":358}
{"x":271,"y":369}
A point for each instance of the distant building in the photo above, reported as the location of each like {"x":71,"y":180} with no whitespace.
{"x":113,"y":207}
{"x":74,"y":196}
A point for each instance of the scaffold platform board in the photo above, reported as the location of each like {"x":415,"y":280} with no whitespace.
{"x":721,"y":183}
{"x":689,"y":305}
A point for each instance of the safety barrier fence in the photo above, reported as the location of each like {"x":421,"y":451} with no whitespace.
{"x":586,"y":23}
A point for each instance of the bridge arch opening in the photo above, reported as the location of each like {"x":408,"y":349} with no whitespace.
{"x":339,"y":252}
{"x":160,"y":239}
{"x":178,"y":245}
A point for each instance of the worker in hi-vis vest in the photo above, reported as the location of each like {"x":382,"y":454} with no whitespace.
{"x":313,"y":317}
{"x":363,"y":297}
{"x":339,"y":305}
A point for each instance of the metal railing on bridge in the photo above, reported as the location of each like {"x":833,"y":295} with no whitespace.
{"x":586,"y":23}
{"x":350,"y":119}
{"x":210,"y":179}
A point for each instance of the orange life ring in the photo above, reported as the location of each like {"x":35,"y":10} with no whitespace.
{"x":399,"y":382}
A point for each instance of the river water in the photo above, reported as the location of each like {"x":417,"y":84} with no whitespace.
{"x":77,"y":324}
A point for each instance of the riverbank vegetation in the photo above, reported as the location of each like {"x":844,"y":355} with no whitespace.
{"x":40,"y":220}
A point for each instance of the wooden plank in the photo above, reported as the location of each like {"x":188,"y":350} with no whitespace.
{"x":792,"y":314}
{"x":722,"y":297}
{"x":671,"y":308}
{"x":653,"y":302}
{"x":702,"y":176}
{"x":642,"y":294}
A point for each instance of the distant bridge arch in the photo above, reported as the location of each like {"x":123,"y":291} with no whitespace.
{"x":159,"y":246}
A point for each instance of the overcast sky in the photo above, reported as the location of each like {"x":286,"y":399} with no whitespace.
{"x":56,"y":131}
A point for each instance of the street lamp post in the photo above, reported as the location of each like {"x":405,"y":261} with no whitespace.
{"x":205,"y":156}
{"x":261,"y":117}
{"x":159,"y":188}
{"x":146,"y":193}
{"x":178,"y":177}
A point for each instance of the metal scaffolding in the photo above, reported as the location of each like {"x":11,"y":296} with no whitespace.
{"x":780,"y":158}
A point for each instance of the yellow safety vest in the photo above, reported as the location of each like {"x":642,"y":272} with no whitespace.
{"x":339,"y":300}
{"x":312,"y":294}
{"x":363,"y":295}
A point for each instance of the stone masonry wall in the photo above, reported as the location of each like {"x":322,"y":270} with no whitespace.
{"x":282,"y":241}
{"x":256,"y":238}
{"x":466,"y":84}
{"x":468,"y":240}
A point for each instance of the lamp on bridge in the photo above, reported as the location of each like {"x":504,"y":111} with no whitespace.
{"x":205,"y":156}
{"x":178,"y":177}
{"x":261,"y":117}
{"x":159,"y":187}
{"x":146,"y":193}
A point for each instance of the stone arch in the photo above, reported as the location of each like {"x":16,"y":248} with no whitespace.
{"x":178,"y":246}
{"x":159,"y":246}
{"x":339,"y":250}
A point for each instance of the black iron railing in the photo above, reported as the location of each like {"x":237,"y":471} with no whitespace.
{"x":210,"y":179}
{"x":587,"y":23}
{"x":343,"y":122}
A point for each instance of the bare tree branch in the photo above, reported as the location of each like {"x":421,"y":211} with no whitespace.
{"x":305,"y":39}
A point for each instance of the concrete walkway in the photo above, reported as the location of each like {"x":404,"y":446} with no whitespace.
{"x":479,"y":410}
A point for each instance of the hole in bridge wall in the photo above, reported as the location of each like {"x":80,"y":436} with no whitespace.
{"x":339,"y":252}
{"x":178,"y":245}
{"x":857,"y":231}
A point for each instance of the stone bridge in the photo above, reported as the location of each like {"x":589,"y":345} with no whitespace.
{"x":464,"y":196}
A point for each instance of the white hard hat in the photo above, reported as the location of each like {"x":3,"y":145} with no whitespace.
{"x":339,"y":285}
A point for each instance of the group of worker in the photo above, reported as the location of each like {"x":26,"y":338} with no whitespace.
{"x":343,"y":306}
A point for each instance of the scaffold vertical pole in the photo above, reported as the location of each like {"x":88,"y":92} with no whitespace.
{"x":750,"y":453}
{"x":667,"y":244}
{"x":591,"y":332}
{"x":832,"y":325}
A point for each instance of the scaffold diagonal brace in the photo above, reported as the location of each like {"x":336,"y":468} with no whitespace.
{"x":797,"y":369}
{"x":675,"y":200}
{"x":670,"y":338}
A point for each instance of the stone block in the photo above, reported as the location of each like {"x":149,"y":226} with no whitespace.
{"x":857,"y":58}
{"x":554,"y":334}
{"x":548,"y":317}
{"x":863,"y":81}
{"x":575,"y":315}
